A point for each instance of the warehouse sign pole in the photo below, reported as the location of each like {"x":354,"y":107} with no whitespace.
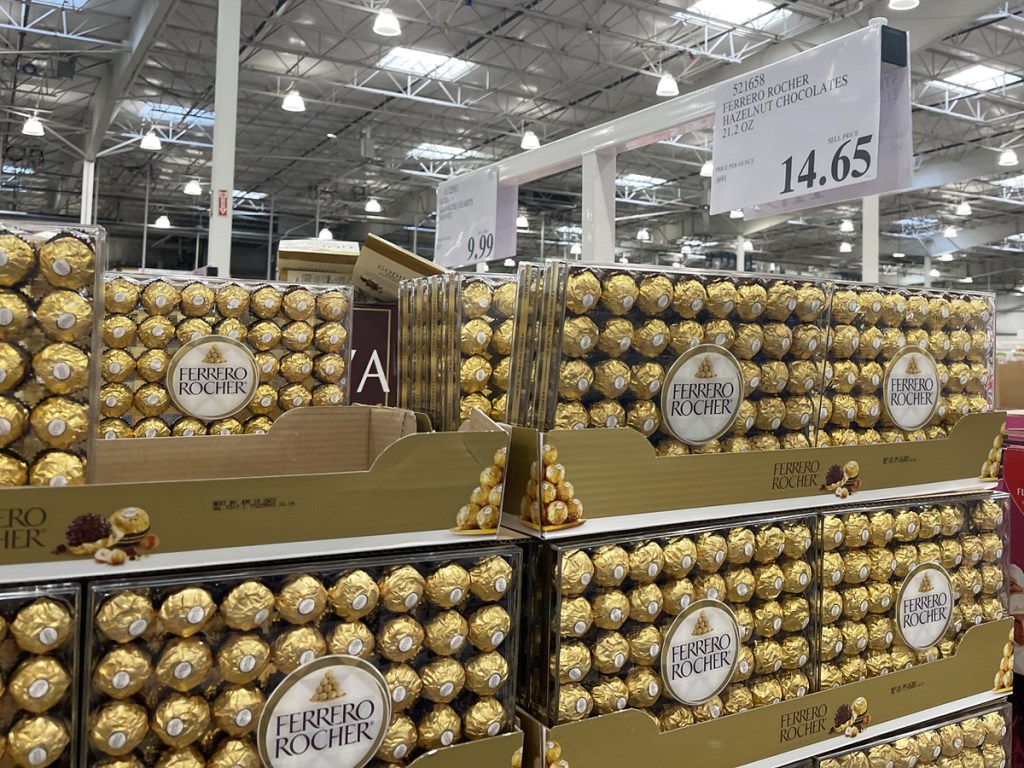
{"x":595,"y":148}
{"x":225,"y":109}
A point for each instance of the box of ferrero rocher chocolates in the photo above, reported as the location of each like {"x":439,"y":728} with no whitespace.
{"x":39,"y":642}
{"x":456,"y":345}
{"x":687,"y":624}
{"x":190,"y":356}
{"x":359,"y":660}
{"x":905,"y":364}
{"x":48,"y":289}
{"x":695,"y":361}
{"x":976,"y":739}
{"x":902,"y":583}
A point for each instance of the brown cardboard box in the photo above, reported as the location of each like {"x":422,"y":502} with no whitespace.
{"x":1010,"y":385}
{"x":382,"y":266}
{"x":317,"y":261}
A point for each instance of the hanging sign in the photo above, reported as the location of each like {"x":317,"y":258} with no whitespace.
{"x":475,"y":220}
{"x":823,"y":126}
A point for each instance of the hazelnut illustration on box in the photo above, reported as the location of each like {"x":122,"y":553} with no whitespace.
{"x":122,"y":536}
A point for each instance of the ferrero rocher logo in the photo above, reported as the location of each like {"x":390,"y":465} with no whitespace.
{"x":924,"y":606}
{"x":911,"y":388}
{"x":701,"y":652}
{"x":702,"y":393}
{"x":212,"y":377}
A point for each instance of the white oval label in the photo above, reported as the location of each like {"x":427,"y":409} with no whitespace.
{"x":305,"y":716}
{"x":700,"y":652}
{"x":212,"y":377}
{"x":702,"y":393}
{"x":924,"y":606}
{"x":911,"y":388}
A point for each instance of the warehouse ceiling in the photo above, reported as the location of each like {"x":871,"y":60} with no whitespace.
{"x":382,"y":120}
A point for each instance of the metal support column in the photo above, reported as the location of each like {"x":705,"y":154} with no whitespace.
{"x":869,"y":251}
{"x":88,"y":210}
{"x":599,"y":206}
{"x":927,"y":270}
{"x":741,"y":254}
{"x":225,"y":107}
{"x":145,"y":217}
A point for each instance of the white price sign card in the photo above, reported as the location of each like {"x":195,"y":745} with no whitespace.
{"x":470,"y":229}
{"x":792,"y":135}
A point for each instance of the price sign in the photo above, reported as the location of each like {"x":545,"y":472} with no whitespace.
{"x":475,"y":220}
{"x":809,"y":130}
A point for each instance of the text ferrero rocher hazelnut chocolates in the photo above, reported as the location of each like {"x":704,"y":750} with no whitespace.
{"x":48,"y":288}
{"x":282,"y":346}
{"x":455,"y":345}
{"x":689,"y":624}
{"x":39,"y":673}
{"x":979,"y":738}
{"x":902,"y":583}
{"x":180,"y":668}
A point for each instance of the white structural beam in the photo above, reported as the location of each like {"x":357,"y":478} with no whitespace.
{"x":599,"y":207}
{"x":967,"y":239}
{"x":225,"y":106}
{"x":121,"y":72}
{"x":869,"y":256}
{"x":88,"y":210}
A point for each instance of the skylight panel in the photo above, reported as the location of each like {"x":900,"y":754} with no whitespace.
{"x":755,"y":13}
{"x":982,"y":78}
{"x":75,"y":5}
{"x":240,"y":194}
{"x":639,"y":181}
{"x":175,"y":114}
{"x":428,"y":151}
{"x":1013,"y":182}
{"x":410,"y":61}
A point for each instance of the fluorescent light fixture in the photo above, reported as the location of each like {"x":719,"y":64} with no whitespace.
{"x":748,"y":245}
{"x":175,"y":114}
{"x":623,"y":260}
{"x":530,"y":141}
{"x":950,"y":232}
{"x":569,"y":229}
{"x":193,"y":187}
{"x":639,"y":181}
{"x":162,"y":222}
{"x":151,"y":142}
{"x":845,"y":247}
{"x":331,"y":135}
{"x":899,"y":255}
{"x":903,"y":5}
{"x":934,"y":273}
{"x":846,"y":225}
{"x":33,"y":127}
{"x":410,"y":61}
{"x":522,"y":222}
{"x":386,"y":23}
{"x":643,"y":235}
{"x":964,"y":209}
{"x":734,"y":11}
{"x":736,"y":213}
{"x":239,"y":194}
{"x":326,"y":234}
{"x":946,"y":257}
{"x":509,"y":262}
{"x":293,"y":102}
{"x":576,"y":249}
{"x":1008,"y":158}
{"x":967,"y":280}
{"x":667,"y":85}
{"x":17,"y":170}
{"x":980,"y":77}
{"x":708,"y":169}
{"x":428,"y":151}
{"x":373,"y":206}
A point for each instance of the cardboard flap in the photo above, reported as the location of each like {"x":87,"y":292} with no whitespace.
{"x":381,"y":266}
{"x":302,"y":441}
{"x":479,"y":421}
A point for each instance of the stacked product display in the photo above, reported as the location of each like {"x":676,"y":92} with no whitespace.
{"x":48,"y":285}
{"x":196,"y":356}
{"x":944,"y":555}
{"x":615,"y":620}
{"x":455,"y":345}
{"x":39,"y":685}
{"x":181,"y":668}
{"x":979,"y":739}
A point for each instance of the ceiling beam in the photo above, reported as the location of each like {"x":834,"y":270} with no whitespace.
{"x":123,"y":69}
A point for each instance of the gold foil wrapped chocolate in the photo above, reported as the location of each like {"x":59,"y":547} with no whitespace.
{"x":655,"y":294}
{"x":241,"y":659}
{"x":118,"y":728}
{"x":616,"y":336}
{"x":37,"y":742}
{"x":619,"y":293}
{"x":235,"y":753}
{"x":59,"y":422}
{"x":38,"y":684}
{"x":297,"y":646}
{"x":443,"y":679}
{"x":180,"y":720}
{"x":41,"y":626}
{"x":439,"y":727}
{"x":186,"y":611}
{"x":184,"y":664}
{"x":302,"y":599}
{"x":17,"y":259}
{"x":125,"y":616}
